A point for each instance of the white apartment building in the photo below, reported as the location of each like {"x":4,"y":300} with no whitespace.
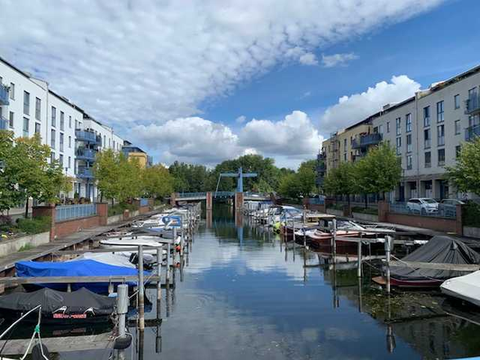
{"x":427,"y":131}
{"x":28,"y":106}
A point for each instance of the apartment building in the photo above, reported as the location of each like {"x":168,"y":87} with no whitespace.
{"x":134,"y":152}
{"x":427,"y":131}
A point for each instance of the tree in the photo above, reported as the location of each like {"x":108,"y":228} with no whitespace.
{"x":300,"y":184}
{"x":129,"y":184}
{"x":106,"y":171}
{"x":465,"y":175}
{"x":10,"y":196}
{"x":157,"y":181}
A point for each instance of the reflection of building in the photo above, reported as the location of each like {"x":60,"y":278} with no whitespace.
{"x":134,"y":152}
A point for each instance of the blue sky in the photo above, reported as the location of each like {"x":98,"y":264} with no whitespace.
{"x":206,"y":80}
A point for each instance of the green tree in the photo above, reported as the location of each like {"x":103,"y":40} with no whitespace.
{"x":130,"y":183}
{"x":106,"y":171}
{"x":157,"y":181}
{"x":10,"y":195}
{"x":300,"y":184}
{"x":465,"y":175}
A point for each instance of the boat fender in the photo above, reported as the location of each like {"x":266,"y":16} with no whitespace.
{"x":178,"y":248}
{"x":123,"y":342}
{"x":37,"y":352}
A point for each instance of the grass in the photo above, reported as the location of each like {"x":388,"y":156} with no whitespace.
{"x":118,"y":209}
{"x":362,"y":210}
{"x":34,"y":226}
{"x":26,"y":247}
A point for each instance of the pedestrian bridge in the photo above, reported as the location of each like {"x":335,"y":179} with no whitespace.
{"x":198,"y":196}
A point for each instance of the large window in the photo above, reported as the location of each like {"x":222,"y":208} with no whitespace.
{"x":458,"y":150}
{"x":409,"y":143}
{"x":426,"y":116}
{"x":409,"y":162}
{"x":456,"y":101}
{"x":441,"y":157}
{"x":398,"y":125}
{"x":61,"y":142}
{"x":26,"y":103}
{"x":427,"y":138}
{"x":428,"y":159}
{"x":399,"y":145}
{"x":38,"y":109}
{"x":62,"y":121}
{"x":69,"y":142}
{"x":11,"y":119}
{"x":12,"y":91}
{"x":25,"y":127}
{"x":408,"y":122}
{"x":60,"y":159}
{"x":54,"y":116}
{"x":38,"y":128}
{"x":457,"y":127}
{"x":440,"y":112}
{"x":441,"y":135}
{"x":52,"y":139}
{"x":388,"y":127}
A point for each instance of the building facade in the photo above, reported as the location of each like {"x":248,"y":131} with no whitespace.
{"x":134,"y":152}
{"x":426,"y":130}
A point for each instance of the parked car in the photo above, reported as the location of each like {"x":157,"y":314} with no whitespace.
{"x":448,"y":207}
{"x":423,"y":206}
{"x":452,"y":202}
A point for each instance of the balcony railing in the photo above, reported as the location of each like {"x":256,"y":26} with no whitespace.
{"x":84,"y":172}
{"x":366,"y":140}
{"x":88,"y":136}
{"x":472,"y":132}
{"x":4,"y":95}
{"x":472,"y":105}
{"x":3,"y":123}
{"x":85,"y":154}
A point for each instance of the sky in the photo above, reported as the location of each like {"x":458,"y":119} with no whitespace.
{"x":202,"y":81}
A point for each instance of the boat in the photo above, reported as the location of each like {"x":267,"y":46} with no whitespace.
{"x":76,"y":268}
{"x":117,"y":259}
{"x":465,"y":287}
{"x":80,"y":306}
{"x":440,"y":250}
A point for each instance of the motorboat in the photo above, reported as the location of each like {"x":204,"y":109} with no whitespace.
{"x":466,"y":287}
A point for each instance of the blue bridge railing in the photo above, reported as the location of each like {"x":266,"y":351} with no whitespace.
{"x":191,"y":195}
{"x":68,"y":212}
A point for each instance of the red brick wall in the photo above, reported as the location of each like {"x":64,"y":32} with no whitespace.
{"x":144,"y":209}
{"x":440,"y":224}
{"x":68,"y":227}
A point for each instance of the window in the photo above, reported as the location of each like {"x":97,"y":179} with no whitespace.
{"x":388,"y":127}
{"x":25,"y":127}
{"x":61,"y":160}
{"x":409,"y":143}
{"x":344,"y":144}
{"x":26,"y":103}
{"x":426,"y":138}
{"x":457,"y":127}
{"x":456,"y":101}
{"x":69,"y":162}
{"x":345,"y":157}
{"x":38,"y":109}
{"x":380,"y":129}
{"x":426,"y":116}
{"x":105,"y":142}
{"x":408,"y":122}
{"x":441,"y":157}
{"x":62,"y":121}
{"x":409,"y":162}
{"x":12,"y":91}
{"x":428,"y":159}
{"x":52,"y":157}
{"x":399,"y":145}
{"x":54,"y":116}
{"x":440,"y":135}
{"x":458,"y":149}
{"x":398,"y":124}
{"x":440,"y":112}
{"x":69,"y":142}
{"x":61,"y":142}
{"x":38,"y":128}
{"x":69,"y":122}
{"x":52,"y":139}
{"x":11,"y":120}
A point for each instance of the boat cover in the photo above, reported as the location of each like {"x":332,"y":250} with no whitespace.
{"x":75,"y":268}
{"x":81,"y":301}
{"x":465,"y":287}
{"x":117,"y":259}
{"x":440,"y":249}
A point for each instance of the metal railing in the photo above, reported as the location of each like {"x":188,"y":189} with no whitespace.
{"x":86,"y":154}
{"x":4,"y":95}
{"x":472,"y":132}
{"x":68,"y":212}
{"x":366,"y":140}
{"x":3,"y":123}
{"x":89,"y":136}
{"x":472,"y":105}
{"x":85,"y":172}
{"x":224,"y":194}
{"x":191,"y":195}
{"x":442,"y":211}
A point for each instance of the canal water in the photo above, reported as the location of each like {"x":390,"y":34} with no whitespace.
{"x":242,"y":295}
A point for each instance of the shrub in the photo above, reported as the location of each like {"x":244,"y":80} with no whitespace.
{"x":335,"y":206}
{"x":26,"y":247}
{"x":471,"y":214}
{"x":370,"y":211}
{"x":35,"y":225}
{"x":118,"y":209}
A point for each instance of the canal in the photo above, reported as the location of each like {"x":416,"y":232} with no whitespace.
{"x":242,"y":295}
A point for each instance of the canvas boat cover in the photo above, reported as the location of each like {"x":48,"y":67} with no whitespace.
{"x":81,"y":301}
{"x":465,"y":287}
{"x":117,"y":259}
{"x":440,"y":249}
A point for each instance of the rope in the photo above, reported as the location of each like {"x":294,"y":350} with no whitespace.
{"x":414,"y":269}
{"x":36,"y":332}
{"x":20,"y":319}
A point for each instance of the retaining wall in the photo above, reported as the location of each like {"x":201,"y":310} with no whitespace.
{"x":68,"y":227}
{"x":365,"y":217}
{"x":470,"y":231}
{"x":13,"y":245}
{"x":434,"y":223}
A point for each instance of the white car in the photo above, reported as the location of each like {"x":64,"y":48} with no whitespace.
{"x":423,"y":206}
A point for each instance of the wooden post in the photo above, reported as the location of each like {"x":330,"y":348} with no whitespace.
{"x":387,"y":253}
{"x":293,"y":228}
{"x":334,"y":238}
{"x":141,"y":290}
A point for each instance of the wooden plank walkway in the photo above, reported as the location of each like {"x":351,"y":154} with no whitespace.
{"x":434,"y":266}
{"x":74,"y":279}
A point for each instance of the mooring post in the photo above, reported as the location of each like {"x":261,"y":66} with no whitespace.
{"x":334,"y":238}
{"x":141,"y":290}
{"x":167,"y":274}
{"x":359,"y":254}
{"x":122,"y":307}
{"x":182,"y":239}
{"x":293,"y":227}
{"x":387,"y":253}
{"x":159,"y":272}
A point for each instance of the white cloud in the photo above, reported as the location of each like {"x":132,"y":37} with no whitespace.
{"x":308,"y":59}
{"x":241,"y":119}
{"x":329,"y":61}
{"x":354,"y":108}
{"x":293,"y":136}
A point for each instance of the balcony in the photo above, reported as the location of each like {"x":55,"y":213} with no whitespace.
{"x":4,"y":95}
{"x":84,"y":172}
{"x":472,"y":105}
{"x":472,"y":132}
{"x":88,"y":136}
{"x":366,"y":140}
{"x":358,"y":157}
{"x":3,"y":123}
{"x":85,"y":154}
